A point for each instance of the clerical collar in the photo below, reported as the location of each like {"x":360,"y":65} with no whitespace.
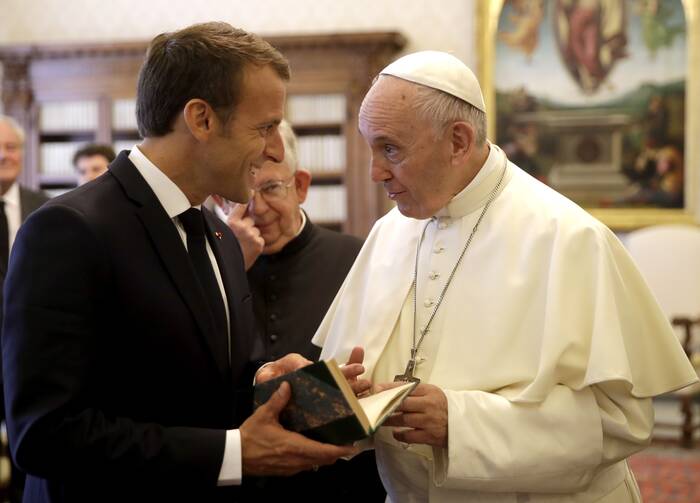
{"x":475,"y":195}
{"x":299,"y":241}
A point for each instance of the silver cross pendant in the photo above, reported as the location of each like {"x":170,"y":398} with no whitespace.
{"x":408,"y":376}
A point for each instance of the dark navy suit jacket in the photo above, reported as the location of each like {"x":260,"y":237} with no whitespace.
{"x":117,"y":386}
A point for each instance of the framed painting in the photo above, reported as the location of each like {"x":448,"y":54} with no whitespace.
{"x":600,"y":99}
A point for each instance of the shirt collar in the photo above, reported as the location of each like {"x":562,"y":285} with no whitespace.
{"x":303,"y":222}
{"x":11,"y":197}
{"x":173,"y":200}
{"x":477,"y":192}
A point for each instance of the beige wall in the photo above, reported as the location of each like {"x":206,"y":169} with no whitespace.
{"x":444,"y":24}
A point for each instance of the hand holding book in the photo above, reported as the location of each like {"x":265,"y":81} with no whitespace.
{"x":422,"y":417}
{"x":269,"y":449}
{"x":293,"y":361}
{"x":324,"y":407}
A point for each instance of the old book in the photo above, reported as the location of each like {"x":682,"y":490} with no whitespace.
{"x":324,"y":407}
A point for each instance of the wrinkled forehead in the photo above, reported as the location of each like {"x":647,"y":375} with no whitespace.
{"x":389,"y":113}
{"x":390,"y":91}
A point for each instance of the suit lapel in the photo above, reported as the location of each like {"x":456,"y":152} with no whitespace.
{"x":235,"y":283}
{"x":169,"y":247}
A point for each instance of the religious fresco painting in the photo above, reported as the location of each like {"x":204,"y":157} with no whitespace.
{"x":590,"y":98}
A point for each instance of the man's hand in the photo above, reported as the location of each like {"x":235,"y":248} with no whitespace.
{"x":284,"y":365}
{"x":244,"y":229}
{"x":424,"y":413}
{"x":269,"y":449}
{"x":353,"y":368}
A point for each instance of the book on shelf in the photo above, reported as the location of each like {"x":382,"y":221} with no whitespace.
{"x":326,"y":203}
{"x":56,"y":158}
{"x":323,"y":406}
{"x":124,"y":114}
{"x":322,"y":153}
{"x":66,"y":116}
{"x":316,"y":108}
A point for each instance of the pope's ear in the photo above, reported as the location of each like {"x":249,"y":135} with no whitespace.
{"x":199,"y":118}
{"x":302,"y":181}
{"x":463,"y":141}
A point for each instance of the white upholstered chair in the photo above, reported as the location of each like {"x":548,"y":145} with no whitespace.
{"x":669,"y":258}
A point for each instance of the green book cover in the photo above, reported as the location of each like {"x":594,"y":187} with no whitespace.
{"x":323,"y":406}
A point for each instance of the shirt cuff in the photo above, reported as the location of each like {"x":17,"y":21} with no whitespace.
{"x":255,"y":377}
{"x":231,"y":467}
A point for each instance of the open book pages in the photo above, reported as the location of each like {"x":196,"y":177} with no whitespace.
{"x":381,"y":405}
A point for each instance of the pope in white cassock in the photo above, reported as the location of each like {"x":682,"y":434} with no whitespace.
{"x":537,"y":344}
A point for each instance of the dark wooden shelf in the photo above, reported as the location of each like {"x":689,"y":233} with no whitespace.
{"x":65,"y":136}
{"x":57,"y":181}
{"x":332,"y":128}
{"x":125,"y":134}
{"x":323,"y":178}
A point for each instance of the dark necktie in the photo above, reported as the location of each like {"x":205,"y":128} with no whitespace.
{"x":193,"y":222}
{"x":4,"y":237}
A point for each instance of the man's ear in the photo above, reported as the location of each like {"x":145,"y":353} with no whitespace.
{"x":199,"y":118}
{"x":302,"y":181}
{"x":463,"y":137}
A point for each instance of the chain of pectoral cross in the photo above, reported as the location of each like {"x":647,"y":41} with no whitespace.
{"x":408,"y":374}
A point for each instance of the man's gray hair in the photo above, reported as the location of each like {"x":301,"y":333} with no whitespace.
{"x":442,"y":109}
{"x":290,"y":145}
{"x":15,"y":126}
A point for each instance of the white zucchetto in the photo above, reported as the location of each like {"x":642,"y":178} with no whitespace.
{"x":441,"y":71}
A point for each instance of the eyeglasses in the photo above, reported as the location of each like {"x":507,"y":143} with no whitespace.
{"x":274,"y":190}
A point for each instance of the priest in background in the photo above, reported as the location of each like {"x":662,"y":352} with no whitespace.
{"x":295,"y":269}
{"x":537,"y":344}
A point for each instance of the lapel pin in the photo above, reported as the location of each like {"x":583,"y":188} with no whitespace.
{"x":219,"y":235}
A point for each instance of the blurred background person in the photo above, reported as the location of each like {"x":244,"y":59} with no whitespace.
{"x":91,"y":161}
{"x":295,"y":268}
{"x":16,"y":203}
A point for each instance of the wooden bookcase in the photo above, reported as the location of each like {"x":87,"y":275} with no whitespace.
{"x":95,"y":84}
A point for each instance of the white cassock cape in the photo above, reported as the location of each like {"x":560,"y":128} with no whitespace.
{"x":548,"y":346}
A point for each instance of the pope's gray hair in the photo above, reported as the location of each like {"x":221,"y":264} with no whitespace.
{"x":289,"y":139}
{"x":443,"y":109}
{"x":15,"y":126}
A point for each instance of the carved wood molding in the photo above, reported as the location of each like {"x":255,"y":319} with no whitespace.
{"x":370,"y":43}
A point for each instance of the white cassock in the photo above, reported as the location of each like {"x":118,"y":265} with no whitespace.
{"x":548,"y":346}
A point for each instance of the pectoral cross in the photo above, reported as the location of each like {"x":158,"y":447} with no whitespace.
{"x":408,"y":376}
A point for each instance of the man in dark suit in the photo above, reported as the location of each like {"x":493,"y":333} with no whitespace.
{"x":16,"y":204}
{"x":295,"y":269}
{"x":127,"y":331}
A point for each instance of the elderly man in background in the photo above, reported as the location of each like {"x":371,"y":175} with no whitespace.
{"x":16,"y":203}
{"x":536,"y":342}
{"x":295,"y":268}
{"x":91,"y":161}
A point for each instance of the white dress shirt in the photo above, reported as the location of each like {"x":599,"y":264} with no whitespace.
{"x":13,"y":211}
{"x":174,"y":203}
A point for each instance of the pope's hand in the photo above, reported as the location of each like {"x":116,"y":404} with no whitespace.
{"x":269,"y":449}
{"x":285,"y":365}
{"x":353,"y":369}
{"x":248,"y":235}
{"x":422,"y":417}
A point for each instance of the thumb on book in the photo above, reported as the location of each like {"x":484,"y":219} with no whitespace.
{"x":279,"y":399}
